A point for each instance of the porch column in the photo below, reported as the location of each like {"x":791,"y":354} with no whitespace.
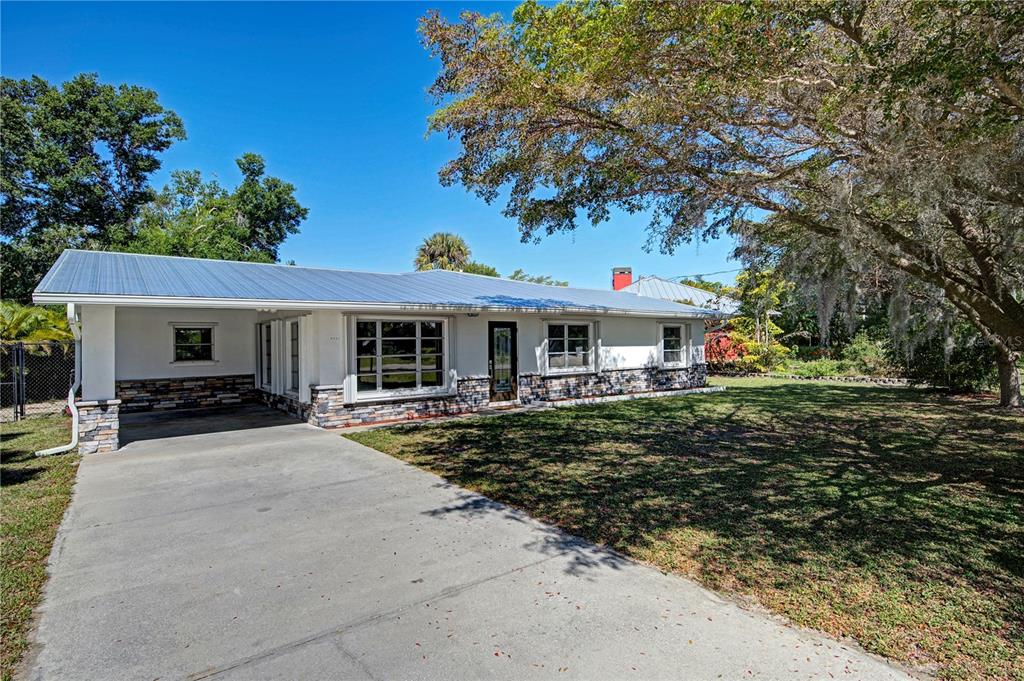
{"x":328,"y":371}
{"x":98,"y":420}
{"x":330,"y":333}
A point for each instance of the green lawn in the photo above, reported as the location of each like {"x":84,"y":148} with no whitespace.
{"x":890,"y":515}
{"x":33,"y":495}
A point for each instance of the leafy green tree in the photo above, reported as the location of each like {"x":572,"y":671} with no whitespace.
{"x":197,"y":218}
{"x":33,"y":324}
{"x":266,"y":207}
{"x":847,"y":139}
{"x":442,"y":251}
{"x":760,"y":293}
{"x":715,"y":287}
{"x":474,"y":267}
{"x":76,"y":161}
{"x":547,"y":280}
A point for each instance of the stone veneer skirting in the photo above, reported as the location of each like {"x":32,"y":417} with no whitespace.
{"x":286,"y":403}
{"x":329,"y":410}
{"x":538,"y":388}
{"x":98,"y":425}
{"x":157,"y":394}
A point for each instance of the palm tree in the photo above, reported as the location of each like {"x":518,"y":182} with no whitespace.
{"x":32,"y":324}
{"x":442,"y":251}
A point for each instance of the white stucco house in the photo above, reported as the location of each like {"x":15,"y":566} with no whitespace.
{"x":340,"y":348}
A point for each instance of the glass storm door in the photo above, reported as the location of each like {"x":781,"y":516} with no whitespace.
{"x":502,"y":360}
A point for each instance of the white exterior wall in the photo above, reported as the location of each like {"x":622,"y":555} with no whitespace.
{"x":628,"y":343}
{"x":99,"y":356}
{"x":625,"y":342}
{"x":145,"y":342}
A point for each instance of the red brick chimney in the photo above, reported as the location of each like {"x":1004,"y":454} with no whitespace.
{"x":621,"y":277}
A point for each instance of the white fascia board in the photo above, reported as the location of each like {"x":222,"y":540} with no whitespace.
{"x":249,"y":303}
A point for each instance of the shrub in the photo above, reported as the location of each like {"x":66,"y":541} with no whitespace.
{"x":818,"y":368}
{"x":809,"y":353}
{"x":970,"y":366}
{"x":868,"y":355}
{"x":763,"y":357}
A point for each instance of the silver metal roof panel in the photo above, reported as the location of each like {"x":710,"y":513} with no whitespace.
{"x":101,"y":276}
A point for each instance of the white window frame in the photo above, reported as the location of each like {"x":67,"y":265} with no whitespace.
{"x":685,"y":343}
{"x":212,"y":326}
{"x":287,"y":351}
{"x":592,"y":341}
{"x":265,"y":330}
{"x":447,"y":380}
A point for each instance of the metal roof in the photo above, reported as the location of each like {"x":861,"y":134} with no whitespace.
{"x":133,"y":279}
{"x":656,"y":287}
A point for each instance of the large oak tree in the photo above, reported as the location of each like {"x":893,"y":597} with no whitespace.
{"x":873,"y":139}
{"x":76,"y":166}
{"x":76,"y":162}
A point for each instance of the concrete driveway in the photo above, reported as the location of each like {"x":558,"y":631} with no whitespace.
{"x":245,"y":545}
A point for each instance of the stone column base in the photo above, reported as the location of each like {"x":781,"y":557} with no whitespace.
{"x":98,"y":424}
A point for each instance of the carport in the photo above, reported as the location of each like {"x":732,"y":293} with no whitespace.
{"x":140,"y":427}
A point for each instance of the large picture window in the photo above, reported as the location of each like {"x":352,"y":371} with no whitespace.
{"x":193,"y":343}
{"x":569,"y":347}
{"x":399,"y":354}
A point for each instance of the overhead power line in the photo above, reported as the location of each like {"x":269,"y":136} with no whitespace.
{"x":704,"y":274}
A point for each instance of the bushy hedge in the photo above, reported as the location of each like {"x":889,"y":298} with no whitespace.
{"x":969,"y":366}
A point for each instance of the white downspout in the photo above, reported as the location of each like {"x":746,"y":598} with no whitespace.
{"x":77,"y":333}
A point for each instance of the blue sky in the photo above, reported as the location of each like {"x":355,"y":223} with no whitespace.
{"x":333,"y":96}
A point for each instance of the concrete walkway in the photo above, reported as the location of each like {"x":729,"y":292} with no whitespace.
{"x":255,"y":547}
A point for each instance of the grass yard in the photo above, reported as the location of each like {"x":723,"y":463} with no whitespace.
{"x":893,"y":516}
{"x":33,"y":495}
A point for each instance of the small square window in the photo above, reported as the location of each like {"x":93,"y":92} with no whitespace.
{"x":569,"y":346}
{"x":193,"y":344}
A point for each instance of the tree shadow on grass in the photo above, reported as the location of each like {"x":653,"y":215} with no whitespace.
{"x":840,"y":477}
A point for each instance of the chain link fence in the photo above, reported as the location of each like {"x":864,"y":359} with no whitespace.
{"x":35,"y":378}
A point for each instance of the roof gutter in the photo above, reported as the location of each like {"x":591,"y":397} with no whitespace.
{"x":262,"y":304}
{"x":76,"y":330}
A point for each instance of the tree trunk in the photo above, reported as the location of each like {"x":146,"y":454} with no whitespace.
{"x":1009,"y":381}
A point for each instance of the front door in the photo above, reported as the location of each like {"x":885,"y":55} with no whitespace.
{"x":502,"y":360}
